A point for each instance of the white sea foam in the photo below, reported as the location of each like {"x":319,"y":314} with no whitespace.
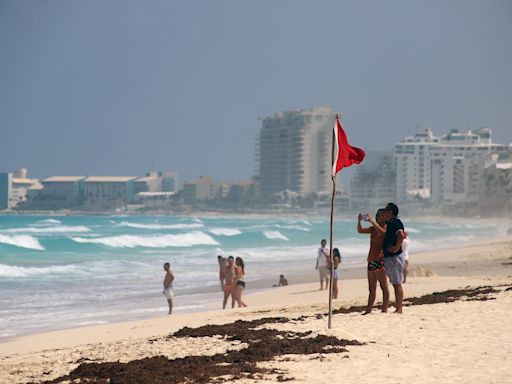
{"x":15,"y":271}
{"x":275,"y":235}
{"x":49,"y":221}
{"x":161,"y":241}
{"x":161,"y":226}
{"x":412,"y":230}
{"x":225,"y":231}
{"x":56,"y":229}
{"x":293,"y":227}
{"x":22,"y":241}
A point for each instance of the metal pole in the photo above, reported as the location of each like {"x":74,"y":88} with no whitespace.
{"x":331,"y":228}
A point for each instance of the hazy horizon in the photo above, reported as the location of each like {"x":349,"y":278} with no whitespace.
{"x":123,"y":87}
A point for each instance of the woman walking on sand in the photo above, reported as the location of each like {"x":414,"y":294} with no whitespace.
{"x":376,"y":271}
{"x":240,"y":282}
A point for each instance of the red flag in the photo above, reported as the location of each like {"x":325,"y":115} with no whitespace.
{"x":345,"y":154}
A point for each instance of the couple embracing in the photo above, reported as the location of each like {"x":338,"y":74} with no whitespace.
{"x":385,"y":256}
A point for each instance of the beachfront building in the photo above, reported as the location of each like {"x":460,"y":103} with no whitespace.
{"x":15,"y":187}
{"x":373,"y":184}
{"x":5,"y":190}
{"x":108,"y":192}
{"x":164,"y":181}
{"x":412,"y":166}
{"x":59,"y":192}
{"x":458,"y":161}
{"x":495,"y":189}
{"x":294,"y":151}
{"x":201,"y":189}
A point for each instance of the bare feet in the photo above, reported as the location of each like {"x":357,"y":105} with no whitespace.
{"x":398,"y":311}
{"x":366,"y":313}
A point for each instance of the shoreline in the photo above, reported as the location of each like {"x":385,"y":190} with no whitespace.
{"x":428,"y":261}
{"x":452,"y":262}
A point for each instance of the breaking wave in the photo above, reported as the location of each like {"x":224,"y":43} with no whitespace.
{"x":161,"y":241}
{"x":49,"y":221}
{"x":22,"y":241}
{"x":275,"y":235}
{"x":57,"y":229}
{"x":15,"y":271}
{"x":161,"y":226}
{"x":225,"y":231}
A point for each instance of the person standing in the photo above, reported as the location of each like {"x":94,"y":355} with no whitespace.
{"x":375,"y":269}
{"x":222,"y":265}
{"x":336,"y":259}
{"x":240,"y":282}
{"x":405,"y":249}
{"x":168,"y":279}
{"x":229,"y":281}
{"x":322,"y":264}
{"x":393,"y":255}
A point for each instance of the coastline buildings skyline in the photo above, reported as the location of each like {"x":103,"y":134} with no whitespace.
{"x":294,"y":161}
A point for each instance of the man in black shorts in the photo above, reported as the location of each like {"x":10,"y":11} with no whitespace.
{"x":394,"y":261}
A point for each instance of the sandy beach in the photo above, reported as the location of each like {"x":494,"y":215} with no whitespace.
{"x":462,"y":334}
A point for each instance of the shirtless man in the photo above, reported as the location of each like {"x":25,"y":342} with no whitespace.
{"x":229,"y":281}
{"x":222,"y":265}
{"x":169,"y":278}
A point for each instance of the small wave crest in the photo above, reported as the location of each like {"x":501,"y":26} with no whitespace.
{"x":225,"y":231}
{"x":162,"y":241}
{"x":272,"y":235}
{"x":293,"y":227}
{"x":48,"y":221}
{"x":15,"y":271}
{"x":161,"y":226}
{"x":56,"y":229}
{"x":22,"y":241}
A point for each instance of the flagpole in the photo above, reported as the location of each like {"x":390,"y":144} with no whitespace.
{"x":329,"y":324}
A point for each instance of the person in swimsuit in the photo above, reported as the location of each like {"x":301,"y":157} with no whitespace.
{"x":229,"y":281}
{"x":222,"y":265}
{"x":168,"y":279}
{"x":375,"y":270}
{"x":239,"y":282}
{"x":336,"y":258}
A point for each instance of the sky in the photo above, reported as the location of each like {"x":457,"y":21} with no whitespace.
{"x":122,"y":87}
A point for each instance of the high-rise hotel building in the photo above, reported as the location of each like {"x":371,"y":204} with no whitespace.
{"x":444,"y":170}
{"x":294,"y":151}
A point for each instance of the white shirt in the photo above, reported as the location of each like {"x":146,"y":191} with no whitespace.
{"x":405,"y":248}
{"x":321,"y":258}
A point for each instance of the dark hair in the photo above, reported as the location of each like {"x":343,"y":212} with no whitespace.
{"x":231,"y":257}
{"x":219,"y":257}
{"x":393,"y":208}
{"x":323,"y":240}
{"x":167,"y":265}
{"x":240,"y":262}
{"x":336,"y":252}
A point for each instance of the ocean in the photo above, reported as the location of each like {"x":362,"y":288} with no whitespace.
{"x":67,"y":271}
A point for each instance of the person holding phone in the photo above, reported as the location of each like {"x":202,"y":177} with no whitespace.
{"x":375,"y":269}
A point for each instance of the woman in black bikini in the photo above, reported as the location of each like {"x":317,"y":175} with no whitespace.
{"x":375,"y":259}
{"x":240,"y":282}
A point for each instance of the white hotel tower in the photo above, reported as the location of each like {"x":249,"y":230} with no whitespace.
{"x":445,"y":170}
{"x":294,"y":149}
{"x":412,"y":159}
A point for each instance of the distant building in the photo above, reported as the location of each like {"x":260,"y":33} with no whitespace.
{"x":374,"y":182}
{"x":495,"y":189}
{"x":294,"y":151}
{"x":108,"y":192}
{"x":59,"y":192}
{"x":164,"y":181}
{"x":5,"y":190}
{"x":412,"y":165}
{"x":201,"y":189}
{"x":458,"y":161}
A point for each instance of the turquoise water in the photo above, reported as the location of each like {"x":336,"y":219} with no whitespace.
{"x":66,"y":271}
